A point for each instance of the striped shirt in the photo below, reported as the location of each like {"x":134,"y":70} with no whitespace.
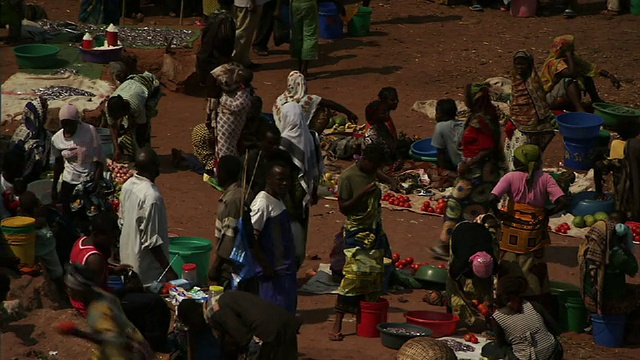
{"x":136,"y":94}
{"x":527,"y":333}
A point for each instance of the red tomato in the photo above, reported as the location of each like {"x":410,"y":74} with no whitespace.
{"x":636,"y":238}
{"x":442,"y":266}
{"x":426,"y":203}
{"x":409,"y":260}
{"x":395,"y":257}
{"x":415,"y":267}
{"x":431,"y":210}
{"x":407,"y":205}
{"x":563,"y":231}
{"x":397,"y":265}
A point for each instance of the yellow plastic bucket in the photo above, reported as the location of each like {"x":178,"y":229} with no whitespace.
{"x":20,"y":233}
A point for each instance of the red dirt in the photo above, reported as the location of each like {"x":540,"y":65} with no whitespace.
{"x":425,"y":50}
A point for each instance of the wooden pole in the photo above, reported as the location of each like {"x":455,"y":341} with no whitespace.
{"x":123,"y":11}
{"x":181,"y":10}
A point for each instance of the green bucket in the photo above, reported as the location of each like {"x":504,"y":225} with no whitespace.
{"x":573,"y":314}
{"x":36,"y":56}
{"x":635,"y":7}
{"x":193,"y":250}
{"x":360,"y":24}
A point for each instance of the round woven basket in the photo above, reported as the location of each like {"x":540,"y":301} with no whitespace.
{"x":425,"y":348}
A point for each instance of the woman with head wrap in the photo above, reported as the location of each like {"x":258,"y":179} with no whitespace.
{"x":472,"y":264}
{"x":524,"y":330}
{"x":566,"y":76}
{"x":302,"y":145}
{"x":606,"y":257}
{"x":479,"y":170}
{"x":228,"y":109}
{"x":531,"y":120}
{"x":116,"y":337}
{"x":32,"y":139}
{"x":525,"y":218}
{"x":380,"y":128}
{"x":313,"y":106}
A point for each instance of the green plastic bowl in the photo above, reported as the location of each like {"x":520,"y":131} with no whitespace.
{"x":431,"y":273}
{"x":36,"y":56}
{"x":616,"y":115}
{"x":558,"y":287}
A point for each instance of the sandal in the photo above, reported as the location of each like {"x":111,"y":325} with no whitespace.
{"x":609,"y":12}
{"x":336,"y":336}
{"x":476,"y":8}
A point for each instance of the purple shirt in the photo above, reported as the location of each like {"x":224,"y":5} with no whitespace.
{"x":514,"y":184}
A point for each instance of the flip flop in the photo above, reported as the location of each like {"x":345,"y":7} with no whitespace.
{"x":336,"y":337}
{"x":476,"y":8}
{"x":609,"y":13}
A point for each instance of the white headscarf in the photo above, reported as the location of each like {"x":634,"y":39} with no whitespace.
{"x":298,"y":141}
{"x":297,"y":92}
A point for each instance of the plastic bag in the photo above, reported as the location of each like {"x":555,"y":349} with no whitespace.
{"x":241,"y":254}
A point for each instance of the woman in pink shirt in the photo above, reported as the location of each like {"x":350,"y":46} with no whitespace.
{"x":525,"y":220}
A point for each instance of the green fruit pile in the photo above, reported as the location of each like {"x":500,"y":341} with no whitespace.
{"x":588,"y":220}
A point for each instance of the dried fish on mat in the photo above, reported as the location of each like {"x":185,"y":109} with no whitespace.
{"x":65,"y":71}
{"x":135,"y":37}
{"x":55,"y":92}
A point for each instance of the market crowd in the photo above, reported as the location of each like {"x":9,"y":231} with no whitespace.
{"x":269,"y":170}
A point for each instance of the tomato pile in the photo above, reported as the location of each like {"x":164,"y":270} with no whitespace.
{"x":121,"y":172}
{"x":472,"y":338}
{"x":409,"y":263}
{"x":397,"y":200}
{"x":635,"y":229}
{"x":483,"y":308}
{"x":562,"y":228}
{"x":441,"y":205}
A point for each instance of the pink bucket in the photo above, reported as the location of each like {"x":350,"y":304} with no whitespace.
{"x":524,"y":8}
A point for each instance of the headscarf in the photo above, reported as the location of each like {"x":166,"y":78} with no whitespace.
{"x":529,"y":157}
{"x":482,"y":264}
{"x":297,"y":140}
{"x":230,"y":77}
{"x":529,"y":107}
{"x":556,"y":62}
{"x":297,"y":92}
{"x":31,"y":137}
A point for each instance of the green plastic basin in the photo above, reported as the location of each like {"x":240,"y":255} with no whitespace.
{"x":36,"y":56}
{"x":615,"y":115}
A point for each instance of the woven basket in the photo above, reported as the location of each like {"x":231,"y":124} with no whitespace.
{"x":425,"y":348}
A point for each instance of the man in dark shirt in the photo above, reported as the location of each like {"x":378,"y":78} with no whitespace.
{"x":239,"y":319}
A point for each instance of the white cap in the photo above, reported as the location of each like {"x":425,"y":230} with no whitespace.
{"x":87,"y":36}
{"x":112,"y":28}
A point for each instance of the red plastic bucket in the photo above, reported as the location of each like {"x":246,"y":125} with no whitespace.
{"x":371,"y":314}
{"x":524,"y":8}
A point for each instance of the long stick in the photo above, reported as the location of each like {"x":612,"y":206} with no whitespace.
{"x":123,"y":10}
{"x":181,"y":10}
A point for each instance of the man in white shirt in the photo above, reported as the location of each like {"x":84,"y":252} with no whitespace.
{"x":78,"y":153}
{"x":144,"y":241}
{"x":247,"y":14}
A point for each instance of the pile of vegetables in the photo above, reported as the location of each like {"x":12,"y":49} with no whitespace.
{"x":340,"y":124}
{"x":441,"y":206}
{"x":397,"y":200}
{"x":121,"y":173}
{"x":635,"y":229}
{"x":409,"y":263}
{"x":588,"y":220}
{"x":562,"y":228}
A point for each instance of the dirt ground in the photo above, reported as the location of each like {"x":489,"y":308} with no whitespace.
{"x":425,"y":50}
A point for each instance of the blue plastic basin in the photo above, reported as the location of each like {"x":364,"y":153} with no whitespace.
{"x":423,"y":148}
{"x":579,"y":125}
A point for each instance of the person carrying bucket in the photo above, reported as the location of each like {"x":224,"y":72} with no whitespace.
{"x":606,"y":257}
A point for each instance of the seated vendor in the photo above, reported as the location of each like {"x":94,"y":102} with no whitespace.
{"x":472,"y":264}
{"x":242,"y":321}
{"x":566,"y":76}
{"x":447,"y":134}
{"x":524,"y":330}
{"x":11,"y":185}
{"x":147,"y":311}
{"x":606,"y":257}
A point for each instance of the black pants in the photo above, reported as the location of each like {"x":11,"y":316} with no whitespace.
{"x":265,"y":29}
{"x":150,"y":315}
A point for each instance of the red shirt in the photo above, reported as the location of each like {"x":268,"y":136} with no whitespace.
{"x":477,"y":139}
{"x":79,"y":255}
